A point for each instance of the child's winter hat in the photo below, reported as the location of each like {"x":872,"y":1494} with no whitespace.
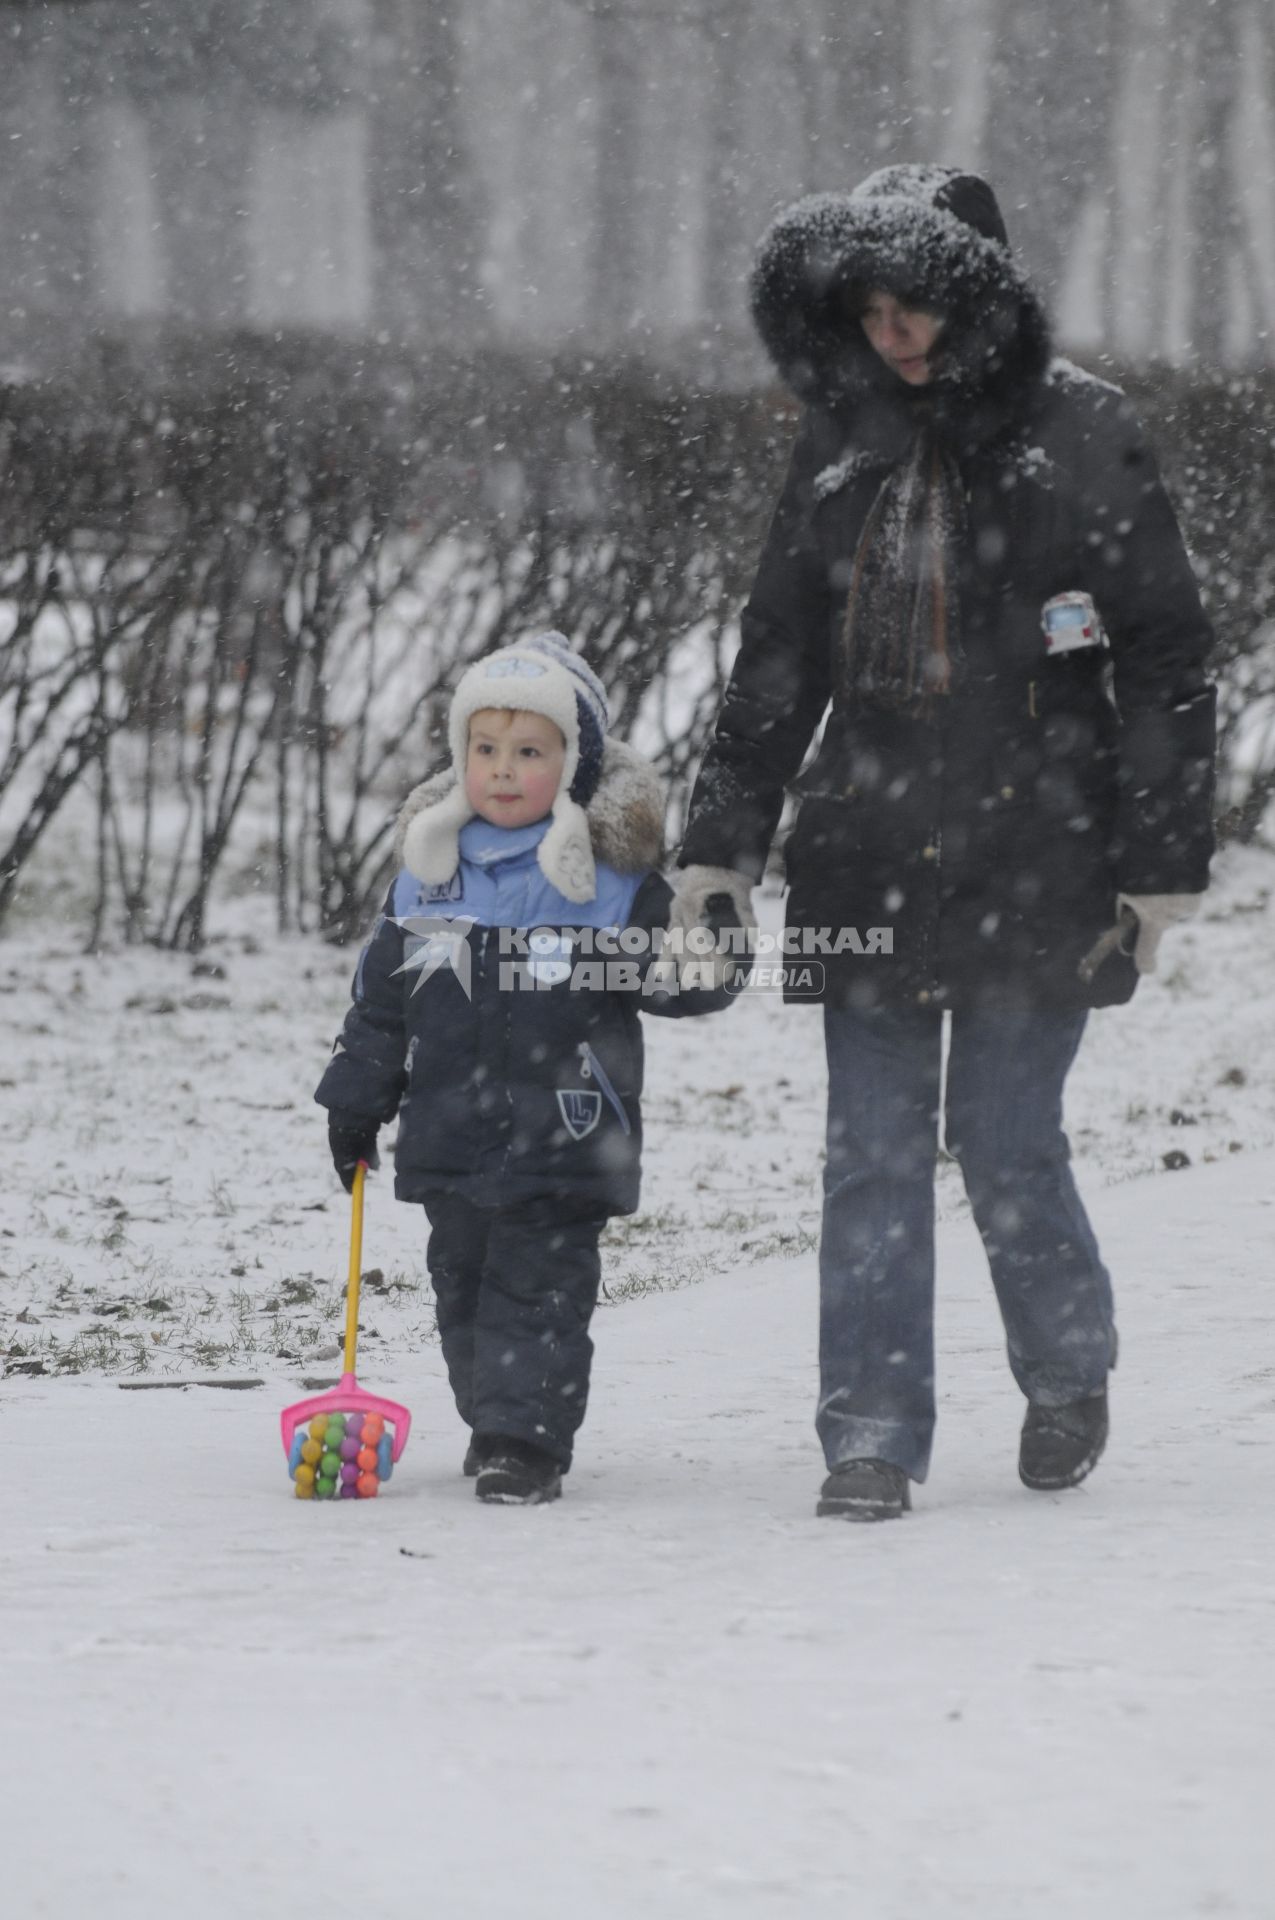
{"x":538,"y":675}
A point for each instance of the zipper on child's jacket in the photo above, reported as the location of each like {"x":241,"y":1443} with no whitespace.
{"x":591,"y":1068}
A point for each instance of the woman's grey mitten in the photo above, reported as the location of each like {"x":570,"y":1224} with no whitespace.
{"x":715,"y":900}
{"x":1157,"y":912}
{"x":712,"y":897}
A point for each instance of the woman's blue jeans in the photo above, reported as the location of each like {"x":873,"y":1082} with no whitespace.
{"x":1005,"y":1078}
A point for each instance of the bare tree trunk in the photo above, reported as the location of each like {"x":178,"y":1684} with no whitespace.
{"x":866,"y":50}
{"x":1215,"y":215}
{"x":1054,"y":83}
{"x":807,"y":72}
{"x":615,"y":291}
{"x":1123,"y":43}
{"x":726,"y":241}
{"x":1170,"y":140}
{"x":428,"y":217}
{"x":45,"y":225}
{"x":203,"y":149}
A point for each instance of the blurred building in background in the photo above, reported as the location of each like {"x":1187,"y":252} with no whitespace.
{"x":596,"y":172}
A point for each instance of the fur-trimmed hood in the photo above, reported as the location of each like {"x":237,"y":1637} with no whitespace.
{"x":931,"y":235}
{"x":625,"y":816}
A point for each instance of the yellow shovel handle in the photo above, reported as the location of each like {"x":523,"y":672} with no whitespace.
{"x":356,"y":1268}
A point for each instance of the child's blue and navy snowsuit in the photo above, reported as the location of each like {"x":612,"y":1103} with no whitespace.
{"x":519,"y":1110}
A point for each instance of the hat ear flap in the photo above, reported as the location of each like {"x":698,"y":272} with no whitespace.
{"x":565,"y":855}
{"x":431,"y":845}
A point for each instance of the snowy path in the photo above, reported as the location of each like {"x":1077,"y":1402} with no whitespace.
{"x":676,"y":1693}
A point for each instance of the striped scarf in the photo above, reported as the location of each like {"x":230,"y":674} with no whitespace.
{"x":900,"y":638}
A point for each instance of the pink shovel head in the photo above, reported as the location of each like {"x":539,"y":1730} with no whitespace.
{"x":347,"y":1397}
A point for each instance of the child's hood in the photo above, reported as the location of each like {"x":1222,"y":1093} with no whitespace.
{"x":625,"y":816}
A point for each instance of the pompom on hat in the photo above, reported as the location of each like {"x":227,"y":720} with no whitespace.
{"x":538,"y":675}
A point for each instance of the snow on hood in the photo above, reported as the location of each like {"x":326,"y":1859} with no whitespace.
{"x":931,"y":235}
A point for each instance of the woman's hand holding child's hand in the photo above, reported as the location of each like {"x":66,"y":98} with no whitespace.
{"x":716,"y":899}
{"x":712,"y":897}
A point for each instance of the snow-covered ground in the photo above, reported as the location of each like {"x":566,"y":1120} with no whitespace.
{"x":168,"y":1202}
{"x":674,"y":1693}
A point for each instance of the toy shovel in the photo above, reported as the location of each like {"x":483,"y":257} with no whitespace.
{"x":343,"y":1444}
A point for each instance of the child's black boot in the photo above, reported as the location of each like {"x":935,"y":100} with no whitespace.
{"x":515,"y":1473}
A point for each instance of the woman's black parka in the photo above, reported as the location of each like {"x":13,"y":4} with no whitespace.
{"x":991,"y":832}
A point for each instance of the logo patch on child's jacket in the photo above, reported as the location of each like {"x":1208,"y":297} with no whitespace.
{"x":448,"y":889}
{"x":580,"y":1109}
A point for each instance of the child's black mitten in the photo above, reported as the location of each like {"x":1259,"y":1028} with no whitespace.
{"x":352,"y":1138}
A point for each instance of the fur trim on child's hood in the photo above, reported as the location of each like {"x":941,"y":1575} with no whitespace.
{"x":625,"y":819}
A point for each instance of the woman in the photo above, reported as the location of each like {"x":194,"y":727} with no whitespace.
{"x":1017,"y":794}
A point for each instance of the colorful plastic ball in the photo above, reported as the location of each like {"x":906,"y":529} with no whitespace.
{"x":323,"y":1489}
{"x":367,"y":1459}
{"x":368,"y":1486}
{"x":304,"y":1475}
{"x":318,"y":1426}
{"x":349,"y":1493}
{"x":349,"y":1473}
{"x":329,"y":1466}
{"x":336,"y":1426}
{"x":373,"y":1426}
{"x":304,"y":1491}
{"x":349,"y":1447}
{"x":312,"y":1451}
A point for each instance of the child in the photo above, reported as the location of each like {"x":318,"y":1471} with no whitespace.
{"x":515,"y":1076}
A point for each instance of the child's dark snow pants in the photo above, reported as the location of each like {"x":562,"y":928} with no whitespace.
{"x":516,"y":1287}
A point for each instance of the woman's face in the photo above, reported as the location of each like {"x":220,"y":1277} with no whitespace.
{"x":903,"y":336}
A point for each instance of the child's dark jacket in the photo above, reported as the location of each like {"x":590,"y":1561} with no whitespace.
{"x":506,"y":1092}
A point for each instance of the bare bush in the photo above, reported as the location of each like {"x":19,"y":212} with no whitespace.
{"x":1216,"y":435}
{"x":236,"y":589}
